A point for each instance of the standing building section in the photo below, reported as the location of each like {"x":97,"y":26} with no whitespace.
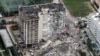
{"x":41,"y":22}
{"x":29,"y":18}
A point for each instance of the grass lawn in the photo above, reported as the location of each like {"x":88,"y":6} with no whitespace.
{"x":78,"y":7}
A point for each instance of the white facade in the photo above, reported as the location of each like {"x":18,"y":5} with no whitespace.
{"x":30,"y":31}
{"x":94,"y":25}
{"x":10,"y":33}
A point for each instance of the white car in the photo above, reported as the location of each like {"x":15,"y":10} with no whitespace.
{"x":31,"y":50}
{"x":32,"y":54}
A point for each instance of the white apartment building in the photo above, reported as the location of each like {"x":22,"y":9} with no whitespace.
{"x":93,"y":25}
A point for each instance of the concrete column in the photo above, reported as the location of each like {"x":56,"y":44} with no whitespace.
{"x":30,"y":33}
{"x":24,"y":28}
{"x":26,"y":35}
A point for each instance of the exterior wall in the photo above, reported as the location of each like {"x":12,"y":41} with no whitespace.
{"x":30,"y":32}
{"x":30,"y":29}
{"x":94,"y":28}
{"x":40,"y":28}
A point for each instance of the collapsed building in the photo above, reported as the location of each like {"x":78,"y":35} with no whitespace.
{"x":41,"y":22}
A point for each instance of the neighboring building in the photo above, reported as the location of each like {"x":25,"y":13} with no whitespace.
{"x":41,"y":21}
{"x":96,"y":3}
{"x":8,"y":28}
{"x":12,"y":5}
{"x":6,"y":38}
{"x":93,"y":29}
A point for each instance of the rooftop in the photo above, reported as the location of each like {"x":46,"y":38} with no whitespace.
{"x":95,"y":17}
{"x":32,"y":11}
{"x":6,"y":38}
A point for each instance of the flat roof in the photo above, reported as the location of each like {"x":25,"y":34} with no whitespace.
{"x":96,"y":18}
{"x":31,"y":12}
{"x":6,"y":38}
